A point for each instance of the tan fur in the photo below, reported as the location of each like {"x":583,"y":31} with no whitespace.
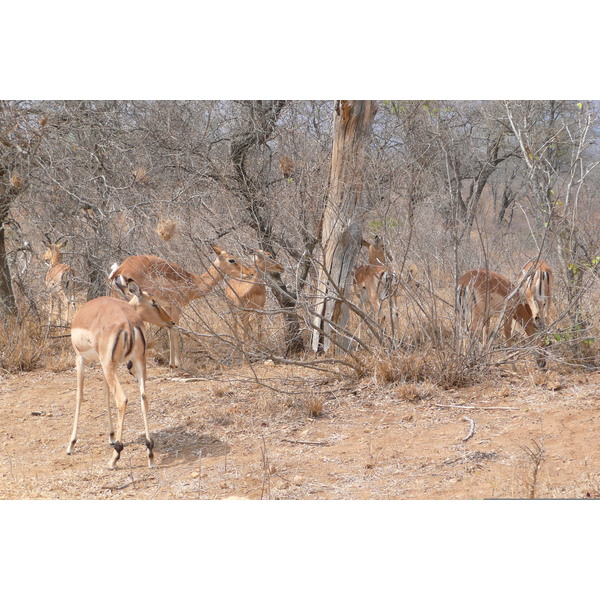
{"x":249,"y":294}
{"x":374,"y":282}
{"x":537,"y":285}
{"x":482,"y":296}
{"x":60,"y":282}
{"x":174,"y":287}
{"x":111,"y":331}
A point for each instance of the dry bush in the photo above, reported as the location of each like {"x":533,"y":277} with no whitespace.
{"x":314,"y":405}
{"x":23,"y":345}
{"x":389,"y":368}
{"x":440,"y":366}
{"x":410,"y":392}
{"x":166,"y":229}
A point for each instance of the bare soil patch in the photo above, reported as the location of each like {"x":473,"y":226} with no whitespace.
{"x":295,"y":435}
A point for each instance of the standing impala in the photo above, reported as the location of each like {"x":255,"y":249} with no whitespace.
{"x":375,"y":282}
{"x":112,"y":331}
{"x":482,"y":295}
{"x":249,"y":293}
{"x":173,"y":287}
{"x":60,"y":280}
{"x":537,"y":283}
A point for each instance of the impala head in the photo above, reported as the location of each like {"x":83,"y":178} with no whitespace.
{"x":265,"y":263}
{"x":53,"y":253}
{"x":144,"y":304}
{"x":229,"y":264}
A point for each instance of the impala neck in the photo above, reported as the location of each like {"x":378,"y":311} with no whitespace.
{"x":207,"y":281}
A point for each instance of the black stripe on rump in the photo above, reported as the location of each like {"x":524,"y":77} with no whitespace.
{"x":116,"y":343}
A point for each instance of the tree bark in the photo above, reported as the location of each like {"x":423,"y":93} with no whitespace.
{"x":341,"y":232}
{"x":8,"y":304}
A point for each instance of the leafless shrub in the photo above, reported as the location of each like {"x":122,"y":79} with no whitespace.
{"x":535,"y":457}
{"x":314,"y":405}
{"x":23,"y":346}
{"x":167,"y":229}
{"x":410,"y":392}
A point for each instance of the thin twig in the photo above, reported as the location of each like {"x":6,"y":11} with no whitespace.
{"x":131,"y":473}
{"x":308,"y":443}
{"x":472,"y":430}
{"x":266,"y":475}
{"x":477,"y":407}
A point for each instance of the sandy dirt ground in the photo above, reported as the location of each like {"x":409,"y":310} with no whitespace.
{"x":532,"y":435}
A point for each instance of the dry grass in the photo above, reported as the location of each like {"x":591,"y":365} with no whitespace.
{"x":410,"y":392}
{"x":167,"y":229}
{"x":23,"y":345}
{"x":314,"y":405}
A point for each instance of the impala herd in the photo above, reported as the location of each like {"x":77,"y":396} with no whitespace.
{"x":111,"y":330}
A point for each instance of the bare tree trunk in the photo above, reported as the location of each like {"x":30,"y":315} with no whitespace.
{"x":8,"y":305}
{"x":341,"y":228}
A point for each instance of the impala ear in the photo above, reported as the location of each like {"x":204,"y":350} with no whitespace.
{"x":134,"y":288}
{"x":217,"y":249}
{"x":62,"y":244}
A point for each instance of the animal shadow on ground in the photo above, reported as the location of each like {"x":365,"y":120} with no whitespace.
{"x":177,"y":445}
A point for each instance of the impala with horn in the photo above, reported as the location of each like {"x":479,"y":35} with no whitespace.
{"x":60,"y":279}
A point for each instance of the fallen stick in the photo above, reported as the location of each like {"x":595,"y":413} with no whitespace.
{"x":477,"y":407}
{"x":309,"y":443}
{"x":472,"y":430}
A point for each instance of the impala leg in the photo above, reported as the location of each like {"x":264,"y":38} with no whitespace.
{"x":111,"y":429}
{"x":140,"y":371}
{"x":51,"y":313}
{"x":259,"y":320}
{"x":174,"y":340}
{"x":508,"y":328}
{"x":246,"y":333}
{"x":110,"y":374}
{"x":59,"y":309}
{"x":80,"y":365}
{"x":173,"y":348}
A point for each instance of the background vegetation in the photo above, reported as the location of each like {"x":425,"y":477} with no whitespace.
{"x":449,"y":186}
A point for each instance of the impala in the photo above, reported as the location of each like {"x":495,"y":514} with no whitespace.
{"x":249,"y":293}
{"x":174,"y":287}
{"x":536,"y":285}
{"x":60,"y":280}
{"x":482,"y":295}
{"x":376,"y":282}
{"x":111,"y":331}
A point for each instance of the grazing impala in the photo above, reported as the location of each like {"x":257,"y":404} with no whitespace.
{"x":482,"y":295}
{"x":537,"y":283}
{"x":249,"y":293}
{"x":112,"y":331}
{"x":60,"y":280}
{"x":173,"y":287}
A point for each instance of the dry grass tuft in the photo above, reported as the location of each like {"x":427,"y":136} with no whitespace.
{"x":401,"y":367}
{"x":444,"y":367}
{"x":22,"y":346}
{"x":221,"y":391}
{"x":16,"y":181}
{"x":140,"y":174}
{"x":314,"y":405}
{"x":166,"y":229}
{"x":409,"y":392}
